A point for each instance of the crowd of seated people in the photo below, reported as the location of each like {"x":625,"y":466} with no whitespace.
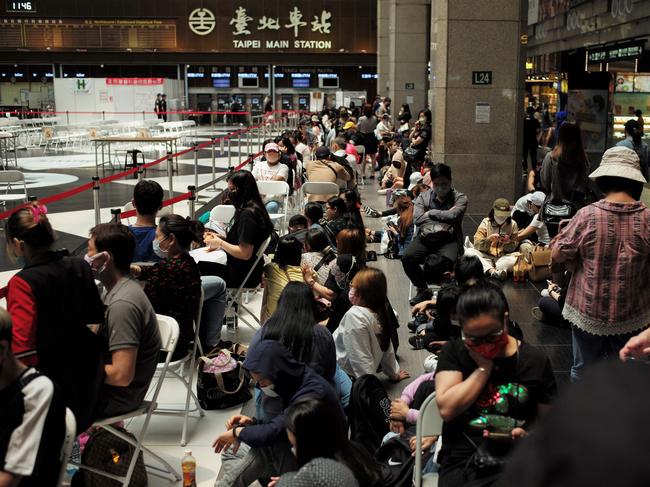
{"x":327,"y":321}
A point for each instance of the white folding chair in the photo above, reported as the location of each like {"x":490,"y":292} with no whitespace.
{"x":169,"y":331}
{"x":317,"y":188}
{"x":276,"y":188}
{"x":68,"y":442}
{"x":429,"y":424}
{"x":7,"y":178}
{"x":178,"y":370}
{"x":222,"y":213}
{"x":234,"y":295}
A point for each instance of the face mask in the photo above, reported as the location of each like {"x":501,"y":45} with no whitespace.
{"x":269,"y":391}
{"x":491,"y":350}
{"x":233,"y":196}
{"x":443,"y":191}
{"x":352,"y":296}
{"x":423,"y":121}
{"x":157,"y":250}
{"x":500,"y":220}
{"x":93,"y":266}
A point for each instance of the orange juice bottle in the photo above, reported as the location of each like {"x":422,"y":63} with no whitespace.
{"x":189,"y":469}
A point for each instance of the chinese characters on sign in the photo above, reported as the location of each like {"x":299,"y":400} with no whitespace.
{"x":135,"y":81}
{"x":322,"y":24}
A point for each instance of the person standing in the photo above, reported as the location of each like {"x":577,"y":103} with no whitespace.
{"x":639,"y":119}
{"x":532,"y":130}
{"x":156,"y":106}
{"x":163,"y":108}
{"x":564,"y":172}
{"x":633,"y":133}
{"x":606,"y":245}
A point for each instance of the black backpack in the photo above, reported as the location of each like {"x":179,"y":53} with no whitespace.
{"x":396,"y":462}
{"x":369,"y":412}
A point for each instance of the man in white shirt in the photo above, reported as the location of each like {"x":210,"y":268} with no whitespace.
{"x":270,"y":169}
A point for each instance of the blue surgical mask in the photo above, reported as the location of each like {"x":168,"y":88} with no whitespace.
{"x":269,"y":391}
{"x":157,"y":250}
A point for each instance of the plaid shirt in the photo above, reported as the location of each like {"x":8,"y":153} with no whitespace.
{"x":608,"y":247}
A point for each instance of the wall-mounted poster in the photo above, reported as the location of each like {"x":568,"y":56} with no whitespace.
{"x":642,"y":83}
{"x":624,"y":83}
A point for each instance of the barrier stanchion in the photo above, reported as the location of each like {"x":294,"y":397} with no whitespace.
{"x":229,"y":153}
{"x":192,"y":199}
{"x":214,"y":166}
{"x":248,"y":141}
{"x":67,"y":117}
{"x":96,"y":206}
{"x":140,"y":171}
{"x":170,"y":175}
{"x":196,"y":164}
{"x":103,"y":115}
{"x":115,"y":215}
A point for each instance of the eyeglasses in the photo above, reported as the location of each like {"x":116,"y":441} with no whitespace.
{"x":491,"y":338}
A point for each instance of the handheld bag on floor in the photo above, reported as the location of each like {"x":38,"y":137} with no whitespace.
{"x":540,"y":259}
{"x":105,"y":451}
{"x":222,"y":381}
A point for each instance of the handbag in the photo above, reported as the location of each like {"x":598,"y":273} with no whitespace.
{"x":522,"y":268}
{"x":222,"y":381}
{"x":109,"y":453}
{"x":434,"y":232}
{"x":540,"y":260}
{"x":488,"y":459}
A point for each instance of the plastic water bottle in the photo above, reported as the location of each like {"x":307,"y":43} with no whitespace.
{"x":189,"y":469}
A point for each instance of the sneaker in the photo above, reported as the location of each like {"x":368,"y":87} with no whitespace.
{"x":417,"y":342}
{"x":422,"y":295}
{"x":371,"y":212}
{"x":431,"y":363}
{"x":544,"y":293}
{"x":537,"y":313}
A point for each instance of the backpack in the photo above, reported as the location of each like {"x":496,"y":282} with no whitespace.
{"x":369,"y":412}
{"x":396,"y":462}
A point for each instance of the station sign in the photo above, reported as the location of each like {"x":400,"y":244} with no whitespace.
{"x":615,"y":52}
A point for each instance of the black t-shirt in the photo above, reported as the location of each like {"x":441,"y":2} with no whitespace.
{"x":517,"y":385}
{"x":531,"y":126}
{"x":248,"y":228}
{"x":425,"y":133}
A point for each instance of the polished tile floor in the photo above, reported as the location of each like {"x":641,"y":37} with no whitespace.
{"x":72,"y":218}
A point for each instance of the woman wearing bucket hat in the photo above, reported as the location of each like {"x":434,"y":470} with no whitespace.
{"x":606,"y":245}
{"x":496,"y":240}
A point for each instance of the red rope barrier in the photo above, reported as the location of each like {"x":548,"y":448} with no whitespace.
{"x":114,"y":177}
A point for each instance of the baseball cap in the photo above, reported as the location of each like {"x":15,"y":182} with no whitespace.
{"x":322,"y":153}
{"x":501,"y":207}
{"x":620,"y":162}
{"x":271,"y":147}
{"x":349,"y":125}
{"x":537,"y":198}
{"x":314,"y":118}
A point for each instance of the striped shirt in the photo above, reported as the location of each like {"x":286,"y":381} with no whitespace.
{"x":607,"y":245}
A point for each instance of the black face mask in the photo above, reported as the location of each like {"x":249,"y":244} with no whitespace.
{"x":234,"y":198}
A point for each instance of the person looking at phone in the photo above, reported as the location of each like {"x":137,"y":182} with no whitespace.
{"x":495,"y":241}
{"x":606,"y":245}
{"x":490,"y":387}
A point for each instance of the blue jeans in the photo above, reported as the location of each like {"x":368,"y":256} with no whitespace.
{"x":342,"y":386}
{"x":273,"y":207}
{"x":588,"y":349}
{"x":214,"y":307}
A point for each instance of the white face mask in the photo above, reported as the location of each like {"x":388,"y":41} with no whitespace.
{"x":269,"y":391}
{"x":500,"y":219}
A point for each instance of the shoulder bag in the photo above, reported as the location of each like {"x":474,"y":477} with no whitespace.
{"x":222,"y":381}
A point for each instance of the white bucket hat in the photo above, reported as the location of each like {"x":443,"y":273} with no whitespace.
{"x":620,"y":162}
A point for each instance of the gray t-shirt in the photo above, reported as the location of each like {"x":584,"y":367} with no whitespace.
{"x":130,"y":323}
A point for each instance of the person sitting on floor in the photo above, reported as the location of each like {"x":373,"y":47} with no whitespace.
{"x":277,"y":374}
{"x":130,"y":330}
{"x":298,"y":227}
{"x":490,"y":387}
{"x":33,"y":420}
{"x":284,"y":269}
{"x":363,"y":338}
{"x":314,"y":213}
{"x":496,"y":240}
{"x":147,"y":201}
{"x":317,"y":433}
